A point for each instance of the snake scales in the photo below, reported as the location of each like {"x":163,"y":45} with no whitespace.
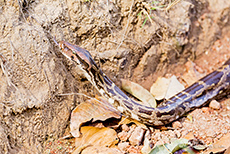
{"x":196,"y":95}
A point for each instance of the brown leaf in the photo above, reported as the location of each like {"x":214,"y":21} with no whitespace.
{"x":93,"y":136}
{"x":166,"y":88}
{"x":227,"y":151}
{"x":139,"y":92}
{"x":189,"y":136}
{"x":174,"y":87}
{"x":91,"y":109}
{"x":128,"y":121}
{"x":159,"y":88}
{"x":222,"y":144}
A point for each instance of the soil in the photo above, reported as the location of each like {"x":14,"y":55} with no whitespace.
{"x":127,"y":39}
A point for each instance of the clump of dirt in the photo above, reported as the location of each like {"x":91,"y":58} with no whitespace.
{"x":129,"y":39}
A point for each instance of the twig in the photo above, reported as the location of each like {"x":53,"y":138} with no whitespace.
{"x":172,"y":4}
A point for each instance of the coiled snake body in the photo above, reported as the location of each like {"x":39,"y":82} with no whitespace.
{"x":192,"y":97}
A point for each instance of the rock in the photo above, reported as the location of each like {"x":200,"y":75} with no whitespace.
{"x":206,"y":110}
{"x":134,"y":150}
{"x":176,"y":125}
{"x":177,"y":133}
{"x":125,"y":127}
{"x":126,"y":132}
{"x":137,"y":136}
{"x":214,"y":105}
{"x":123,"y":146}
{"x":123,"y":136}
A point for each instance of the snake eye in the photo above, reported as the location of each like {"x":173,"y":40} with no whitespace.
{"x":72,"y":57}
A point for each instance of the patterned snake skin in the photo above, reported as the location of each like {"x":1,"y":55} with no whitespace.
{"x":198,"y":94}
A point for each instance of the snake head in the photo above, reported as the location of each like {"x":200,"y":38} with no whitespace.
{"x":77,"y":54}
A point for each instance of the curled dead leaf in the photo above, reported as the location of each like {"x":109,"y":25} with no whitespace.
{"x":91,"y":109}
{"x":93,"y":136}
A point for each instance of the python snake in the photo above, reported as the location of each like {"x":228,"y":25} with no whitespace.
{"x":196,"y":95}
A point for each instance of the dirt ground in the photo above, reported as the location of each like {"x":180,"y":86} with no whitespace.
{"x":136,"y":40}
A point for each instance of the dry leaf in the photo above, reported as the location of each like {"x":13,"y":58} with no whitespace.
{"x":93,"y":136}
{"x":91,"y":109}
{"x":159,"y":88}
{"x":128,"y":121}
{"x":174,"y":87}
{"x":166,"y":88}
{"x":139,"y":92}
{"x":227,"y":151}
{"x":222,"y":144}
{"x":189,"y":136}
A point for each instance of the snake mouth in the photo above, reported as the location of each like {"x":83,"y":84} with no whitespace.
{"x":60,"y":44}
{"x":76,"y":54}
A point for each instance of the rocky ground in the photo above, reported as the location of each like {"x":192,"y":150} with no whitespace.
{"x":137,"y":40}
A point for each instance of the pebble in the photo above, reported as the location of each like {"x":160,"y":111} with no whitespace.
{"x":126,"y":132}
{"x":165,"y":139}
{"x":123,"y":146}
{"x":214,"y":105}
{"x":137,"y":136}
{"x":148,"y":135}
{"x":177,"y":133}
{"x":176,"y":125}
{"x":134,"y":150}
{"x":125,"y":127}
{"x":209,"y":140}
{"x":206,"y":110}
{"x":157,"y":136}
{"x":123,"y":136}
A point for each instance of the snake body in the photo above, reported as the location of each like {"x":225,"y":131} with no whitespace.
{"x":196,"y":95}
